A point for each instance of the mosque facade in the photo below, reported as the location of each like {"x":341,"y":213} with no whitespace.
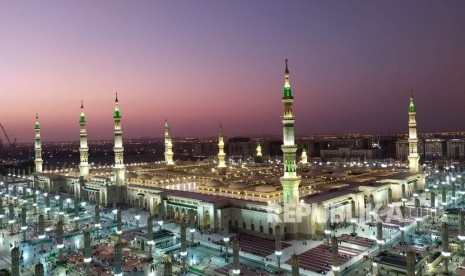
{"x":252,"y":198}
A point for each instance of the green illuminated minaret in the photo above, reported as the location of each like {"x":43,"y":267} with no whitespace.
{"x":83,"y":148}
{"x":38,"y":146}
{"x":168,"y":145}
{"x":119,"y":168}
{"x":413,"y":157}
{"x":290,"y":181}
{"x":221,"y":154}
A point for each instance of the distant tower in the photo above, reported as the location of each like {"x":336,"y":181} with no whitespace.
{"x":38,"y":146}
{"x":259,"y":157}
{"x":168,"y":146}
{"x":118,"y":169}
{"x":290,"y":181}
{"x":221,"y":154}
{"x":83,"y":149}
{"x":413,"y":157}
{"x":303,"y":157}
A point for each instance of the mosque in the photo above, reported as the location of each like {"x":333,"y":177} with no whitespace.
{"x":250,"y":198}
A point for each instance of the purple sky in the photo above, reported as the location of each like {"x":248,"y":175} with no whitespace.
{"x":203,"y":62}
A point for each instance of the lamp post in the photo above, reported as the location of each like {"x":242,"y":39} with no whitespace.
{"x":34,"y":200}
{"x":2,"y":212}
{"x":97,"y":219}
{"x":119,"y":228}
{"x":137,"y":217}
{"x":76,"y":213}
{"x":115,"y":212}
{"x":23,"y":221}
{"x":278,"y":252}
{"x":60,"y":207}
{"x":11,"y":217}
{"x":41,"y":232}
{"x":59,"y":239}
{"x":47,"y":205}
{"x":335,"y":255}
{"x":236,"y":263}
{"x":15,"y":261}
{"x":150,"y":235}
{"x":118,"y":249}
{"x":183,"y":251}
{"x":87,"y":255}
{"x":68,"y":201}
{"x":192,"y":226}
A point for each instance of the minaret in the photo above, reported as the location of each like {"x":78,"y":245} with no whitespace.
{"x":290,"y":181}
{"x":259,"y":150}
{"x":413,"y":157}
{"x":303,"y":157}
{"x":38,"y":146}
{"x":221,"y":154}
{"x":118,"y":169}
{"x":259,"y":157}
{"x":83,"y":149}
{"x":168,"y":146}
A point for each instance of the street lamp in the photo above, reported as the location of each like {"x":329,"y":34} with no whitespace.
{"x":226,"y":241}
{"x":328,"y":234}
{"x":137,"y":217}
{"x":115,"y":212}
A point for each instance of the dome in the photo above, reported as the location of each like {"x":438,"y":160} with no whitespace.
{"x":213,"y":183}
{"x":237,"y":186}
{"x":265,"y":189}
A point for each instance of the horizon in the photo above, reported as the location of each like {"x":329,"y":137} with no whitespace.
{"x":352,"y":66}
{"x":279,"y":136}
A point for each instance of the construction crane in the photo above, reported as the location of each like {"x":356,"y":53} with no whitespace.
{"x":11,"y":144}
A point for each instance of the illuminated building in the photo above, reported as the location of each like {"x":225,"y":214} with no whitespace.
{"x":303,"y":158}
{"x":289,"y":181}
{"x":83,"y":148}
{"x":221,"y":154}
{"x":119,"y":168}
{"x":413,"y":157}
{"x":168,"y":146}
{"x":38,"y":146}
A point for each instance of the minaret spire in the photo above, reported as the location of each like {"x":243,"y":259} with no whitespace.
{"x":119,"y":169}
{"x":221,"y":154}
{"x":290,"y":181}
{"x":168,"y":145}
{"x":413,"y":157}
{"x":38,"y":146}
{"x":83,"y":148}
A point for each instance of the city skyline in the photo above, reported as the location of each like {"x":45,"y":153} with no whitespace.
{"x":352,"y":67}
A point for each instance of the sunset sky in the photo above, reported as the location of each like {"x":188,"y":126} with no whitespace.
{"x":202,"y":63}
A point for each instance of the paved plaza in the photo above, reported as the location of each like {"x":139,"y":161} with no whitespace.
{"x":358,"y":242}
